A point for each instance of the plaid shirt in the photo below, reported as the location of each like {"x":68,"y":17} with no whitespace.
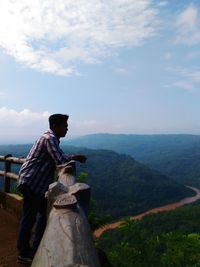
{"x":38,"y":170}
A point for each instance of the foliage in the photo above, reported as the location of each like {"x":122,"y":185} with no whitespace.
{"x":120,"y":185}
{"x":181,"y":250}
{"x":81,"y":177}
{"x":14,"y":190}
{"x":175,"y":155}
{"x":123,"y":186}
{"x":95,"y":220}
{"x":156,"y":240}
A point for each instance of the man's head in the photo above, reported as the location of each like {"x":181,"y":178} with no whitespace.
{"x":58,"y":124}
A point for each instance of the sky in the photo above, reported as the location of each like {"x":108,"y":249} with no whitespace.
{"x":116,"y":66}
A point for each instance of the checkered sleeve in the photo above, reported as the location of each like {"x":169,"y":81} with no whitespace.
{"x":56,"y":152}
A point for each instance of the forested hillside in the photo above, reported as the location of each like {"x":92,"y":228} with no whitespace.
{"x":139,"y":144}
{"x":120,"y":185}
{"x":177,"y":156}
{"x":168,"y":239}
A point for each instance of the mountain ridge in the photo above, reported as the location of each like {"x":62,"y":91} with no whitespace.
{"x":121,"y":185}
{"x":177,"y":156}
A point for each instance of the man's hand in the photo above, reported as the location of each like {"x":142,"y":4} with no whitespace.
{"x":80,"y":158}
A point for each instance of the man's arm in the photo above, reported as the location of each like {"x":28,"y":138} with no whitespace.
{"x":58,"y":155}
{"x":80,"y":158}
{"x":56,"y":152}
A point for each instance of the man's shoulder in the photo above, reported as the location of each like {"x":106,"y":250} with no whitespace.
{"x":48,"y":135}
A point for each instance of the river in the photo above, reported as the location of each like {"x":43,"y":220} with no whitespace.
{"x":167,"y":207}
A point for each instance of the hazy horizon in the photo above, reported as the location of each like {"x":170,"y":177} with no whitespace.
{"x":64,"y":140}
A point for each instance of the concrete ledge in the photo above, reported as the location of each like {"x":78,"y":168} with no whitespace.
{"x":11,"y":203}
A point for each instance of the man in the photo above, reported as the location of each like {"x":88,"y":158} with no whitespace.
{"x":35,"y":175}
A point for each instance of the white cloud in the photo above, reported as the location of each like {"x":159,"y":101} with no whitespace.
{"x":168,"y":55}
{"x":188,"y":79}
{"x":194,"y":75}
{"x":21,"y":125}
{"x":93,"y":126}
{"x":184,"y":85}
{"x":188,"y":26}
{"x":51,"y":35}
{"x":122,"y":71}
{"x":26,"y":126}
{"x":193,"y":55}
{"x":163,"y":3}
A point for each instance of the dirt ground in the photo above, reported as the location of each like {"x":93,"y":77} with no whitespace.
{"x":8,"y":235}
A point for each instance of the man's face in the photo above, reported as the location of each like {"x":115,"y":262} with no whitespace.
{"x":61,"y":130}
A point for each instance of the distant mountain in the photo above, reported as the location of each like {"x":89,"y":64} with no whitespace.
{"x":137,"y":145}
{"x":177,"y":156}
{"x":120,"y":185}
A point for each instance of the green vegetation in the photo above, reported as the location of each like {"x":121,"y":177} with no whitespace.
{"x":120,"y":185}
{"x":177,"y":156}
{"x":81,"y":177}
{"x":13,"y":190}
{"x":94,"y":219}
{"x":168,"y":239}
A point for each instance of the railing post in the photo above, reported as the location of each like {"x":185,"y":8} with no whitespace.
{"x":7,"y":168}
{"x":67,"y":240}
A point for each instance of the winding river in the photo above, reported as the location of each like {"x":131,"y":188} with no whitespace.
{"x":167,"y":207}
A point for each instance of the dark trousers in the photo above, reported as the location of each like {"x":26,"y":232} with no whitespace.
{"x":34,"y":212}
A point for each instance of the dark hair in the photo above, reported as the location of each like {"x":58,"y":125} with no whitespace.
{"x":57,"y":119}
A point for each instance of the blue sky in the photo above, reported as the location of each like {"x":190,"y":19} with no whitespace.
{"x":119,"y":66}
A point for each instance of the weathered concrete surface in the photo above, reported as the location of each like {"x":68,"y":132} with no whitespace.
{"x":67,"y":241}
